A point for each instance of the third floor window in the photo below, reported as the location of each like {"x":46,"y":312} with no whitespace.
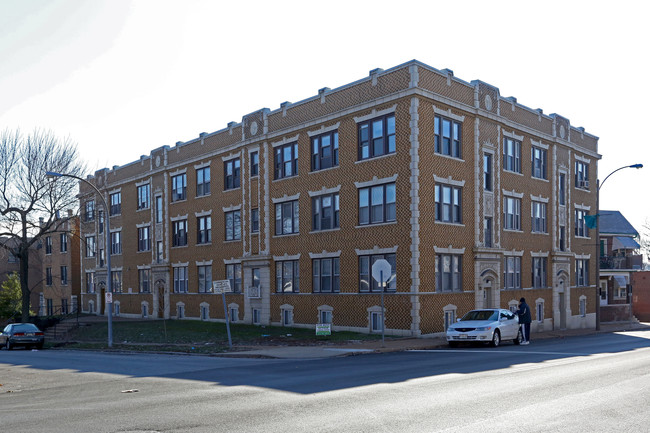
{"x":202,"y":181}
{"x":447,"y":136}
{"x":286,"y":161}
{"x":325,"y":151}
{"x":116,"y":203}
{"x":232,"y":174}
{"x":538,"y":157}
{"x":377,"y":137}
{"x":512,"y":155}
{"x":179,"y":187}
{"x":143,"y":196}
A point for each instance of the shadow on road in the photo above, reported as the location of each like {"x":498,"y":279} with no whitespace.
{"x":330,"y":374}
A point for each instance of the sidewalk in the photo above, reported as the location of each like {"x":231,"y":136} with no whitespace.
{"x":403,"y":344}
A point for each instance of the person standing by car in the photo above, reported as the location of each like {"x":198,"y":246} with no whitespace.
{"x":524,"y":319}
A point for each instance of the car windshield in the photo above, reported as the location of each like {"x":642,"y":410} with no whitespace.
{"x":27,"y":327}
{"x":481,"y":315}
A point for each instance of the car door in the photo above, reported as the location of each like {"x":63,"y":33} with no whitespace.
{"x":509,"y":326}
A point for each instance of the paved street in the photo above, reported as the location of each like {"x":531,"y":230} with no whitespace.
{"x":590,"y":383}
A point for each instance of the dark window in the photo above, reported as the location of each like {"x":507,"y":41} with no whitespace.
{"x":143,"y":197}
{"x":144,"y":239}
{"x":100,"y":214}
{"x":325,"y":151}
{"x":204,"y":230}
{"x":562,"y":189}
{"x":538,"y":162}
{"x":286,"y":218}
{"x":202,"y":181}
{"x":538,"y":217}
{"x":90,"y":282}
{"x":64,"y":275}
{"x":376,"y":137}
{"x":539,"y":272}
{"x":580,"y":226}
{"x":232,"y":174}
{"x":48,"y":245}
{"x":377,"y":204}
{"x":233,"y":225}
{"x":205,"y":278}
{"x":325,"y":275}
{"x":511,"y":213}
{"x":582,"y":272}
{"x":512,"y":155}
{"x":144,"y":278}
{"x":179,"y":187}
{"x":286,"y":161}
{"x":255,"y":220}
{"x":89,"y":214}
{"x":255,"y":164}
{"x":287,"y":276}
{"x":448,"y":204}
{"x":90,"y":246}
{"x":325,"y":212}
{"x":562,"y":238}
{"x":512,"y":272}
{"x":487,"y":172}
{"x":116,"y":242}
{"x":448,"y":273}
{"x":116,"y":281}
{"x":180,"y":233}
{"x":48,"y":276}
{"x":367,"y":283}
{"x":233,"y":274}
{"x":63,"y":242}
{"x":447,"y":136}
{"x":159,"y":209}
{"x":487,"y":230}
{"x":180,"y":279}
{"x":582,"y":175}
{"x":116,"y":203}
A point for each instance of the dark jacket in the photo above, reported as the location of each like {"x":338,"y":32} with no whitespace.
{"x":524,"y":313}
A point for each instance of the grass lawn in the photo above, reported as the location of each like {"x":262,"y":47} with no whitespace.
{"x":193,"y":336}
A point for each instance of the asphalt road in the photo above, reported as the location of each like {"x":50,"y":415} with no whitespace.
{"x":596,"y":383}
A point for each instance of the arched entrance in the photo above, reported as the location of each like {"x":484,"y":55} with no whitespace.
{"x":488,"y":295}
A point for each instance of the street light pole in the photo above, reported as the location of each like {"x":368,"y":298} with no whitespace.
{"x":109,"y":287}
{"x":600,"y":185}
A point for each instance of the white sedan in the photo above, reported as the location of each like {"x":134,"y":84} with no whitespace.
{"x":489,"y":325}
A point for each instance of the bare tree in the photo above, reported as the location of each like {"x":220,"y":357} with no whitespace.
{"x":30,"y":203}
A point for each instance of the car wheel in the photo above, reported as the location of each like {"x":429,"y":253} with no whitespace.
{"x":519,"y":338}
{"x":8,"y":345}
{"x":496,"y":339}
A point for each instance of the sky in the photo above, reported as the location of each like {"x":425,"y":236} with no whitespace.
{"x":122,"y":77}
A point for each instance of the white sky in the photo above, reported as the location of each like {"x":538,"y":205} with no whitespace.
{"x":124,"y":77}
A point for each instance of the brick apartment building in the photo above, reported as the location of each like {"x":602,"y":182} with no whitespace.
{"x":10,"y":264}
{"x":474,"y":199}
{"x":60,"y":264}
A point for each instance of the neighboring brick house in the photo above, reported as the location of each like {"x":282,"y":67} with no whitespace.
{"x":619,"y":259}
{"x":470,"y":196}
{"x":60,"y":258}
{"x":10,"y":264}
{"x":641,"y":295}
